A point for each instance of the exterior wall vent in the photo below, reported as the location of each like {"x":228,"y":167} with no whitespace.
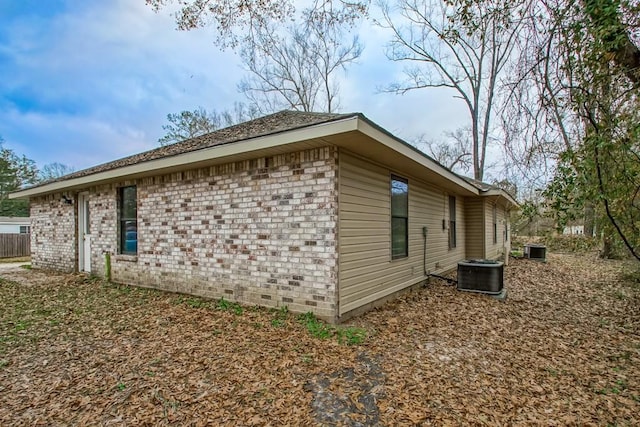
{"x":480,"y":275}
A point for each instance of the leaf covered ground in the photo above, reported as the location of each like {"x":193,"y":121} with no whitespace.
{"x":563,"y":349}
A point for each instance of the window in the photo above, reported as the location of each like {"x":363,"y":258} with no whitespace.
{"x":128,"y":220}
{"x":25,"y":229}
{"x":495,"y":224}
{"x":399,"y":217}
{"x":452,"y":222}
{"x":87,"y":217}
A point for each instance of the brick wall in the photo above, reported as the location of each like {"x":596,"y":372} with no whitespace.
{"x":53,"y":233}
{"x":260,"y":231}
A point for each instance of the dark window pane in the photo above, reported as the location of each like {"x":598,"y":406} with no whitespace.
{"x":399,"y":217}
{"x":129,"y":202}
{"x":452,"y":208}
{"x":130,"y":237}
{"x":128,"y":222}
{"x":452,"y":222}
{"x":452,"y":235}
{"x":399,"y":197}
{"x":87,"y":219}
{"x":398,"y":237}
{"x":495,"y":224}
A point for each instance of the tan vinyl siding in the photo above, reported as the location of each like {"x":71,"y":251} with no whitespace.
{"x":506,"y":225}
{"x":494,"y":250}
{"x":474,"y":213}
{"x":366,"y":271}
{"x":445,"y":258}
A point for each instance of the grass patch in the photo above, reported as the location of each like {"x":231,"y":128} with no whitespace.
{"x":350,"y":335}
{"x":277,"y":323}
{"x":617,"y":388}
{"x":226,"y":305}
{"x":316,"y":327}
{"x":281,"y":316}
{"x":221,"y":304}
{"x":62,"y":306}
{"x":194,"y":302}
{"x":632,"y":279}
{"x":78,"y":348}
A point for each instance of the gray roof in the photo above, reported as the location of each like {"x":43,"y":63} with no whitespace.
{"x":267,"y":125}
{"x":272,"y":124}
{"x":482,"y":186}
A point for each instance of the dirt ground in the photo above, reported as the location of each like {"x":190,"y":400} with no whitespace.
{"x":562,"y":349}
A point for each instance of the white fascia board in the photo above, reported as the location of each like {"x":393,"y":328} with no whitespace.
{"x":414,"y":154}
{"x":321,"y":130}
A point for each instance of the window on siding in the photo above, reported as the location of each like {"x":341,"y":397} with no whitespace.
{"x":495,"y":224}
{"x":399,"y":217}
{"x":452,"y":222}
{"x":128,"y":220}
{"x":25,"y":229}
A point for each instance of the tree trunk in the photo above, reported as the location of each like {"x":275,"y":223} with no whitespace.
{"x":607,"y":248}
{"x":615,"y":35}
{"x":589,"y":219}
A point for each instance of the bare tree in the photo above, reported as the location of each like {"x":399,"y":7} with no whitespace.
{"x":538,"y":118}
{"x":54,"y":170}
{"x":297,"y":69}
{"x":293,"y":57}
{"x":238,"y":21}
{"x":576,"y":102}
{"x":190,"y":124}
{"x":454,"y":152}
{"x":462,"y":46}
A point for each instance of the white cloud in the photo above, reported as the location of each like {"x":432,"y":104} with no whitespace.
{"x":104,"y":75}
{"x":73,"y":140}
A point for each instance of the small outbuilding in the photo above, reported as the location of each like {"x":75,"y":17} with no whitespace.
{"x":326,"y":213}
{"x":15,"y":225}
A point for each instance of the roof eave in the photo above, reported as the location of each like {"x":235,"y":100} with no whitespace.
{"x":201,"y":157}
{"x":381,"y":135}
{"x":356,"y":122}
{"x":501,"y":193}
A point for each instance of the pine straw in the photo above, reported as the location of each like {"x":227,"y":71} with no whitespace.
{"x":563,"y":349}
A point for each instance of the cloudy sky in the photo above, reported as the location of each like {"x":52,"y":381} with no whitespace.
{"x":83,"y":82}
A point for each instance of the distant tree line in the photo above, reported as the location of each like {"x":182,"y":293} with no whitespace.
{"x":17,"y":172}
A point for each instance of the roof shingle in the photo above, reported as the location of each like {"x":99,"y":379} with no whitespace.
{"x":267,"y":125}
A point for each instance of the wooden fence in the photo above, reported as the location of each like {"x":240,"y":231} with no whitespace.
{"x":15,"y":245}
